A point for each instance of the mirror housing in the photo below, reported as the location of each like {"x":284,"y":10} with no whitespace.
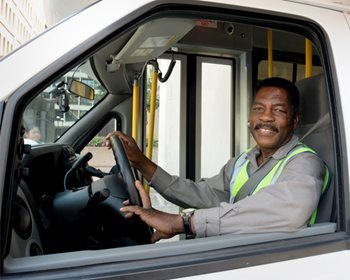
{"x":80,"y":89}
{"x":63,"y":102}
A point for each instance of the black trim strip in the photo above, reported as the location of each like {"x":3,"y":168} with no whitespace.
{"x":191,"y":117}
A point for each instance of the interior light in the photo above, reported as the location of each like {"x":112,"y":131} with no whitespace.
{"x":151,"y":40}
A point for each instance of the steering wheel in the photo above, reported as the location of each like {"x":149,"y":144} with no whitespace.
{"x":125,"y":170}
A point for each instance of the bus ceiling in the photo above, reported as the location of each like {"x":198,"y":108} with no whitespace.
{"x":126,"y":57}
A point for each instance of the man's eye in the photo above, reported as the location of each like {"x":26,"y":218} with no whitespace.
{"x":280,"y":111}
{"x":257,"y":109}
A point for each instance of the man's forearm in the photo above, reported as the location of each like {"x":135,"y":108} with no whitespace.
{"x":146,"y":167}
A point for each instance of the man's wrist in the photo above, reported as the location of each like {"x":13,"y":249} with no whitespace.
{"x":188,"y":226}
{"x":147,"y":168}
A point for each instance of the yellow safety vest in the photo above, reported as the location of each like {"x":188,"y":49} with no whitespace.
{"x":240,"y":174}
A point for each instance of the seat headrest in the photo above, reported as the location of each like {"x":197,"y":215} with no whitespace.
{"x":313,"y":99}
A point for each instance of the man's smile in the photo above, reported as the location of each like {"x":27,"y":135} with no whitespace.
{"x":266,"y":129}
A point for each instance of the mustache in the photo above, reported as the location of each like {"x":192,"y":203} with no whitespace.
{"x":266,"y":126}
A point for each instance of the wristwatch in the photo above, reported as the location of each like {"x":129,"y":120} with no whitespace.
{"x":186,"y":215}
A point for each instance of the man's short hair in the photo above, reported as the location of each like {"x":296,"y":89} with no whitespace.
{"x":293,"y":92}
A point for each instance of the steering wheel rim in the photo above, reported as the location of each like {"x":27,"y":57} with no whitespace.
{"x":125,"y":170}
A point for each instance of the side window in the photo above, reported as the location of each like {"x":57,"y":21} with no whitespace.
{"x":316,"y":70}
{"x":57,"y":108}
{"x":214,"y":115}
{"x":280,"y":69}
{"x":102,"y":157}
{"x":287,"y":70}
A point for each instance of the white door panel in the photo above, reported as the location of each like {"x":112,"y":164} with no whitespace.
{"x":322,"y":267}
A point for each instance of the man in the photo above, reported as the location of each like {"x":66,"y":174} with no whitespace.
{"x":289,"y":178}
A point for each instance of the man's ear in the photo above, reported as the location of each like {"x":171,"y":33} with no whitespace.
{"x":296,"y":120}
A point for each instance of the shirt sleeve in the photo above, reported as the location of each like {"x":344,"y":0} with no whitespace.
{"x":285,"y":206}
{"x":186,"y":193}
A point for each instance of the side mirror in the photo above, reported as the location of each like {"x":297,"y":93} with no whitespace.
{"x":80,"y":89}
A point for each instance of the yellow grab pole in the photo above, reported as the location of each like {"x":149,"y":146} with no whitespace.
{"x":152,"y":111}
{"x":308,"y":58}
{"x":135,"y":109}
{"x":152,"y":114}
{"x":269,"y":53}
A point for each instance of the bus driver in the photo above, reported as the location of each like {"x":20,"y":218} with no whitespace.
{"x":273,"y":187}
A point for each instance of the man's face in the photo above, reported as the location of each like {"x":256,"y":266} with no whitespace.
{"x":271,"y":118}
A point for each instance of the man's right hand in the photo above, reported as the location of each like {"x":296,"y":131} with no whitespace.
{"x":136,"y":158}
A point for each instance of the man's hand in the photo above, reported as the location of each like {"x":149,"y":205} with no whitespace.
{"x":133,"y":152}
{"x":136,"y":158}
{"x":166,"y":225}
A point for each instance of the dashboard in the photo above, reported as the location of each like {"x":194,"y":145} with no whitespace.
{"x":59,"y":208}
{"x":45,"y":167}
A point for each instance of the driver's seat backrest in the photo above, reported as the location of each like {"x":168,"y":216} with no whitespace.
{"x":315,"y":131}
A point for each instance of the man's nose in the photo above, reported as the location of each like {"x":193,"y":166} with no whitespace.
{"x":267,"y":116}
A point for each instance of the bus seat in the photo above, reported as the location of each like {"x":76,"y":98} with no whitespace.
{"x":315,"y":131}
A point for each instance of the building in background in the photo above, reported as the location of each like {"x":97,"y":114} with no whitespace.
{"x":22,"y":20}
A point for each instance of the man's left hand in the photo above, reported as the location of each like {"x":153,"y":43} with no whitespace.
{"x":166,"y":225}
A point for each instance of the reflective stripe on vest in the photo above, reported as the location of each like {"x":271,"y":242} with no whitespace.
{"x":240,"y":174}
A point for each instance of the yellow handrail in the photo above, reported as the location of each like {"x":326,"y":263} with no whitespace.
{"x":269,"y":53}
{"x":152,"y":111}
{"x":308,"y":58}
{"x":135,"y":109}
{"x":152,"y":114}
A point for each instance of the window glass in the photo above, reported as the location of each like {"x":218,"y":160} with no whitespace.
{"x":301,"y":71}
{"x":103,"y":158}
{"x":280,"y":69}
{"x":216,"y":117}
{"x":285,"y":70}
{"x":54,"y":110}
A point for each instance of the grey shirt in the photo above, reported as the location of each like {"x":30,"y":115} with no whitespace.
{"x":285,"y":206}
